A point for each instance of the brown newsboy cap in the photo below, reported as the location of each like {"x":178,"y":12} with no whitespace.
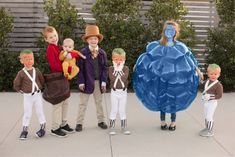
{"x":92,"y":30}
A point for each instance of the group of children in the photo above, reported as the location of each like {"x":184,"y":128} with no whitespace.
{"x":92,"y":73}
{"x":92,"y":78}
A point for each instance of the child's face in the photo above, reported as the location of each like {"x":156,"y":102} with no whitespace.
{"x":68,"y":46}
{"x":170,"y":31}
{"x":93,"y":41}
{"x":213,"y":74}
{"x":52,"y":38}
{"x":118,"y":59}
{"x":27,"y":60}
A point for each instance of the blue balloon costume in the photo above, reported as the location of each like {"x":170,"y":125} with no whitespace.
{"x":165,"y":77}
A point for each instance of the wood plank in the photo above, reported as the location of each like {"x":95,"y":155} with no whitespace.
{"x":28,"y":20}
{"x":28,"y":15}
{"x":35,"y":50}
{"x":21,"y":5}
{"x":24,"y":35}
{"x":30,"y":25}
{"x":25,"y":40}
{"x":21,"y":1}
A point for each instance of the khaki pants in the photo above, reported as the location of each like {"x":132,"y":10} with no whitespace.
{"x":84,"y":102}
{"x":59,"y":114}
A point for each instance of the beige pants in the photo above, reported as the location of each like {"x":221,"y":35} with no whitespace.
{"x":59,"y":114}
{"x":84,"y":102}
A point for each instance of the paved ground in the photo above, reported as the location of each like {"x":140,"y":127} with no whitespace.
{"x":146,"y":140}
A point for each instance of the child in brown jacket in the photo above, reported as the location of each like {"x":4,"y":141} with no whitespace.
{"x":29,"y":81}
{"x":213,"y":91}
{"x":118,"y":75}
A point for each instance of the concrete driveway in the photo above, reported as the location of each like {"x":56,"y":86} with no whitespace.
{"x":146,"y":140}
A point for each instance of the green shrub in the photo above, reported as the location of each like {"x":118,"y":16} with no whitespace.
{"x":161,"y":11}
{"x":226,"y":11}
{"x":6,"y":26}
{"x":221,"y":44}
{"x":11,"y":65}
{"x":7,"y":59}
{"x":64,"y":17}
{"x":119,"y":22}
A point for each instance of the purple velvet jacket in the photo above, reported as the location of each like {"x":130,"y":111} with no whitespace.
{"x":86,"y":74}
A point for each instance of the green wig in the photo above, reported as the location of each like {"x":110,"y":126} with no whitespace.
{"x":25,"y":51}
{"x":119,"y":51}
{"x":213,"y":67}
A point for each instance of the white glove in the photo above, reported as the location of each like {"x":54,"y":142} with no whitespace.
{"x":206,"y":97}
{"x":118,"y":67}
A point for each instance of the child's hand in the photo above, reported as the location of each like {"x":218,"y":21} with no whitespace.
{"x":207,"y":97}
{"x":68,"y":56}
{"x":65,"y":53}
{"x":103,"y":89}
{"x":200,"y":74}
{"x":82,"y":87}
{"x":84,"y":57}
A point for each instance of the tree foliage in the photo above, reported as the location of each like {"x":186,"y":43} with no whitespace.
{"x":119,"y":22}
{"x":226,"y":11}
{"x":6,"y":26}
{"x":7,"y":59}
{"x":221,"y":43}
{"x":221,"y":51}
{"x":64,"y":17}
{"x":68,"y":23}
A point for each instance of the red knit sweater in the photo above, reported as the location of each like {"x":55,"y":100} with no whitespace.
{"x":52,"y":55}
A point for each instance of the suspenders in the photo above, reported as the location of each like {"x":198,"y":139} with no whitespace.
{"x":118,"y":77}
{"x":208,"y":87}
{"x":33,"y":79}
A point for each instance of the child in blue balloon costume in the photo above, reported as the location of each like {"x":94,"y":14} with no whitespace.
{"x":166,"y":76}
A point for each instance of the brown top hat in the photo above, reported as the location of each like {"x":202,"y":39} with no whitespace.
{"x":92,"y":30}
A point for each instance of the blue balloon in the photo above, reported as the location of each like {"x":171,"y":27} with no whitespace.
{"x":165,"y":77}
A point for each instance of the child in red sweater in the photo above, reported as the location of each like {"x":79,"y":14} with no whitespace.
{"x":60,"y":127}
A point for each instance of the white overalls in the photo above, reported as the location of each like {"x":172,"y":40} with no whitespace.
{"x":33,"y":98}
{"x":209,"y":104}
{"x":118,"y":100}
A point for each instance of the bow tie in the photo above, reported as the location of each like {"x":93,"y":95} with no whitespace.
{"x":94,"y":53}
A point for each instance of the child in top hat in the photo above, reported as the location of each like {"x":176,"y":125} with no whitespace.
{"x":92,"y":77}
{"x":29,"y":81}
{"x":118,"y":75}
{"x":70,"y":68}
{"x":213,"y":91}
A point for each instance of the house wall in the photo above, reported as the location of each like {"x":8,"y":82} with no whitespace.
{"x":30,"y":19}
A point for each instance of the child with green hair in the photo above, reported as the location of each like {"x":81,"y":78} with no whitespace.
{"x":213,"y":91}
{"x":118,"y":75}
{"x":29,"y":81}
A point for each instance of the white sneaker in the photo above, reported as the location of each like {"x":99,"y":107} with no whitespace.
{"x":125,"y":131}
{"x":207,"y":133}
{"x":112,"y":131}
{"x":203,"y":131}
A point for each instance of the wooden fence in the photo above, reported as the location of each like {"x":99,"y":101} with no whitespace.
{"x":30,"y":19}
